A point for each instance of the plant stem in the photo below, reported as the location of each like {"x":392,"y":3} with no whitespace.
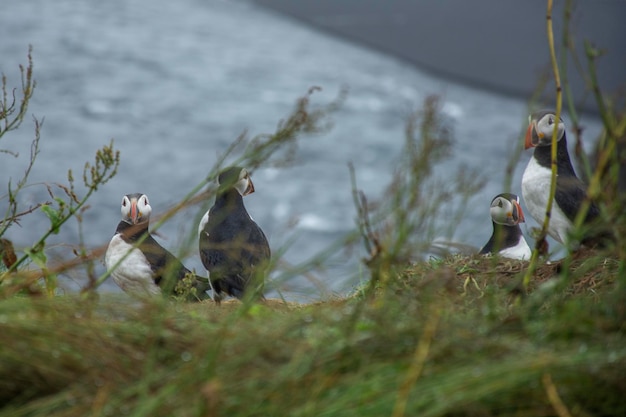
{"x":559,"y":102}
{"x":41,"y":242}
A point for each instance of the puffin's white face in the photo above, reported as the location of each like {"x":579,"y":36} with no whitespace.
{"x":136,"y":208}
{"x":243,"y":185}
{"x":540,"y":129}
{"x":506,"y":211}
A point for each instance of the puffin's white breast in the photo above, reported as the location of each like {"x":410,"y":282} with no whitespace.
{"x":133,"y":274}
{"x":203,"y":222}
{"x":520,"y":251}
{"x":535,"y":190}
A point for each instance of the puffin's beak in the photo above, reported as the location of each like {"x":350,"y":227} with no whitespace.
{"x":134,"y":215}
{"x":520,"y":213}
{"x":529,"y":143}
{"x":250,"y":188}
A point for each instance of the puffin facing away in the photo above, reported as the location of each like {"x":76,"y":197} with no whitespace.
{"x":507,"y":239}
{"x":144,"y":269}
{"x":233,"y":248}
{"x":570,"y":190}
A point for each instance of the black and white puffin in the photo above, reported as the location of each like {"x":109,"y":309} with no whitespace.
{"x":570,"y":190}
{"x":143,"y":271}
{"x":233,"y":248}
{"x":507,"y":239}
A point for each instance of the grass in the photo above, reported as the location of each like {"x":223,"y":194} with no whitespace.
{"x":448,"y":337}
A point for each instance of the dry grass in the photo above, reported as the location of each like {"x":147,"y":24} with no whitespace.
{"x":490,"y":352}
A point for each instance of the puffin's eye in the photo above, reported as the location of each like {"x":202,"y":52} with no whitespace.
{"x":500,"y":203}
{"x":124,"y":203}
{"x":145,"y":200}
{"x":550,"y":121}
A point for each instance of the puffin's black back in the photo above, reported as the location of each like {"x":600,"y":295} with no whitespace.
{"x":570,"y":191}
{"x":161,"y":260}
{"x":233,"y":248}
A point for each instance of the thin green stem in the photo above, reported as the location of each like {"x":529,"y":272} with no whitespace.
{"x":52,"y":230}
{"x":559,"y":102}
{"x":605,"y":156}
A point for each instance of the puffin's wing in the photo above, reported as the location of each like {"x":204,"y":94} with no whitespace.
{"x":570,"y":194}
{"x":260,"y":243}
{"x":254,"y":253}
{"x":161,"y":260}
{"x":210,"y":255}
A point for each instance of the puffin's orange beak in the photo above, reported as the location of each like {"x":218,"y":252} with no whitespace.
{"x":134,"y":215}
{"x":530,"y":132}
{"x":528,"y":143}
{"x":250,"y":188}
{"x":520,"y":213}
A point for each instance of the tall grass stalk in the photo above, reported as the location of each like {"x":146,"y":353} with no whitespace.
{"x":559,"y":103}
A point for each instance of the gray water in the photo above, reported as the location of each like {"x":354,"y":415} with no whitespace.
{"x":174,"y":83}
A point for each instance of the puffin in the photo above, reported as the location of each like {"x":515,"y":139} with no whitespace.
{"x":570,"y":190}
{"x":233,"y":248}
{"x":142,"y":272}
{"x":507,"y":239}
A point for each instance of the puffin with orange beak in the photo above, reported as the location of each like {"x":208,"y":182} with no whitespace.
{"x":233,"y":248}
{"x":144,"y":269}
{"x":507,"y":239}
{"x":570,"y":190}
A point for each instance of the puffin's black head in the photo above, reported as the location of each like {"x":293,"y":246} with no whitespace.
{"x":505,"y":209}
{"x":136,"y":208}
{"x":540,"y":128}
{"x":237,"y":178}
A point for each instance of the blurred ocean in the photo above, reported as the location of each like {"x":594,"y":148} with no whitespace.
{"x":174,"y":83}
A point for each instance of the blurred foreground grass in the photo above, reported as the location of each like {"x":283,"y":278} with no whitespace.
{"x":447,"y":337}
